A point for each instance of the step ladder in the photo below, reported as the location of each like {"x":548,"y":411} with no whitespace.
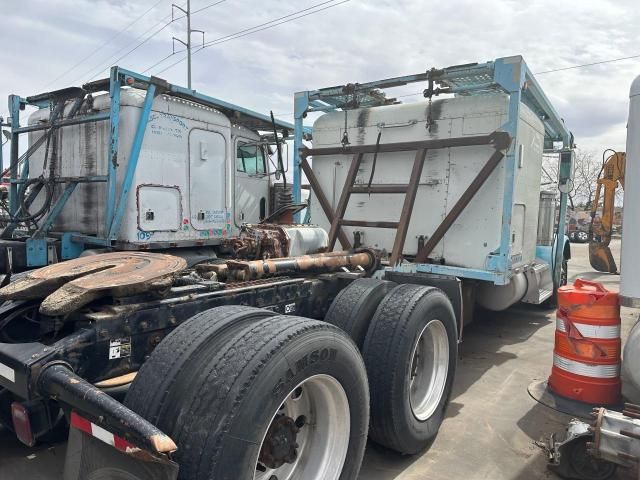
{"x":402,"y":225}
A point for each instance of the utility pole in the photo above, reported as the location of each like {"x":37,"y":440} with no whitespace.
{"x":187,"y":44}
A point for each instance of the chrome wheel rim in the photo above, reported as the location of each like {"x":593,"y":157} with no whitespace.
{"x":319,"y":409}
{"x":428,"y":370}
{"x":582,"y":236}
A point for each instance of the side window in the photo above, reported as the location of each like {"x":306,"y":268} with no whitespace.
{"x":250,"y":159}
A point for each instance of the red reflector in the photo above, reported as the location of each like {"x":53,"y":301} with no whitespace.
{"x":80,"y":423}
{"x":22,"y":424}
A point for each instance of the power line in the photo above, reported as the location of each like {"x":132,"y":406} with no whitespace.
{"x":184,"y":50}
{"x":113,"y":60}
{"x":589,"y":64}
{"x":227,"y":36}
{"x":162,"y":60}
{"x":261,"y":27}
{"x":572,"y":67}
{"x":202,"y":9}
{"x":137,"y":46}
{"x":108,"y":60}
{"x":104,"y":44}
{"x":275,"y":20}
{"x":190,"y":31}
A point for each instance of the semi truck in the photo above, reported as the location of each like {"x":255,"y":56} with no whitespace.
{"x":192,"y":330}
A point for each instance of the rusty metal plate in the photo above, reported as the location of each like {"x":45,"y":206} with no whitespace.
{"x":69,"y":285}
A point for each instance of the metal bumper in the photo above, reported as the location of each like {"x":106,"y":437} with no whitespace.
{"x":22,"y":374}
{"x":58,"y":381}
{"x":17,"y":362}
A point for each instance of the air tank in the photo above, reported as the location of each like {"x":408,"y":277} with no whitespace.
{"x":630,"y":256}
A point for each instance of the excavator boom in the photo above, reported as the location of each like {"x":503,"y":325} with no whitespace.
{"x":611,"y":175}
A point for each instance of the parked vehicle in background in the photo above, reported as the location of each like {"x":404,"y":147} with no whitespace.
{"x":579,"y":236}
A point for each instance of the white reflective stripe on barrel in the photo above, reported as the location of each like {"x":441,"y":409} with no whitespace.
{"x":607,"y":332}
{"x":586,"y":369}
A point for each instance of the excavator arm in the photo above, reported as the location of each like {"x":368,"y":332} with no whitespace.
{"x":611,"y":175}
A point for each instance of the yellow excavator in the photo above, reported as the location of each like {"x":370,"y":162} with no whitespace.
{"x":611,"y":174}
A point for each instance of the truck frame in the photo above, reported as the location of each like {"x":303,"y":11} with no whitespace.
{"x":247,"y":363}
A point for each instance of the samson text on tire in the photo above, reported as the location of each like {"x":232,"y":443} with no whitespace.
{"x":284,"y":396}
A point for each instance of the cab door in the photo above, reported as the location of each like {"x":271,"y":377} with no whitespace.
{"x":207,"y":179}
{"x":252,"y":182}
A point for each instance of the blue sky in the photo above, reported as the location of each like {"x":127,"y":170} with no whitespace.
{"x":356,"y":41}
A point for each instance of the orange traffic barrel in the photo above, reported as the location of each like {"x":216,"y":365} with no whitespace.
{"x":586,"y":356}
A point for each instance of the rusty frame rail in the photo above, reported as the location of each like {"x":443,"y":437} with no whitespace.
{"x":497,"y":138}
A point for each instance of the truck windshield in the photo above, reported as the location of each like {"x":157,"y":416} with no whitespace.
{"x":250,"y":159}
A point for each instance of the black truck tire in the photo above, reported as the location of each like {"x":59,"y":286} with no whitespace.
{"x":238,"y":407}
{"x":410,"y":353}
{"x":353,"y":308}
{"x":162,"y":369}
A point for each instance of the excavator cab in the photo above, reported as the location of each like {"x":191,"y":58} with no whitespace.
{"x":611,"y":175}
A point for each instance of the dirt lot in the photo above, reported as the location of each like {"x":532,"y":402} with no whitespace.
{"x":492,"y":422}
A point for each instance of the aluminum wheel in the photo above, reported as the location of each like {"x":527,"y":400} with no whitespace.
{"x":308,"y":436}
{"x":429,"y":366}
{"x":582,"y":236}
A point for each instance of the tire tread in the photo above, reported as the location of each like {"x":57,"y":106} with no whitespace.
{"x":203,"y":407}
{"x":386,"y":339}
{"x":171,"y":355}
{"x":360,"y":296}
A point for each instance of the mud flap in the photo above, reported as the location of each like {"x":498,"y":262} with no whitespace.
{"x":89,"y":458}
